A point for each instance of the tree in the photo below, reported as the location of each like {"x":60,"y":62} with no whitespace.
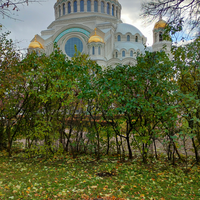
{"x":179,"y":13}
{"x":187,"y":64}
{"x":14,"y":91}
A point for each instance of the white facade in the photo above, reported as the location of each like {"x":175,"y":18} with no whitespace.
{"x":95,"y":27}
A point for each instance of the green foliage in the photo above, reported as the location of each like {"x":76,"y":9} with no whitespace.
{"x":63,"y":105}
{"x":187,"y":64}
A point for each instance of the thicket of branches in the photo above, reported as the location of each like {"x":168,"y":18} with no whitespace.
{"x":60,"y":105}
{"x":181,"y":14}
{"x":7,"y":7}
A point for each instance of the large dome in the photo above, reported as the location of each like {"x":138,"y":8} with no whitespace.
{"x":124,"y":28}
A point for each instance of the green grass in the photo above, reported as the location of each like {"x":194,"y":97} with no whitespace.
{"x":67,"y":178}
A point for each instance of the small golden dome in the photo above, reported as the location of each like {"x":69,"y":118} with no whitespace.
{"x":35,"y":44}
{"x":95,"y":38}
{"x":160,"y":24}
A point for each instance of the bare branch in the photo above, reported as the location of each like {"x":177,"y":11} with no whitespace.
{"x":177,"y":12}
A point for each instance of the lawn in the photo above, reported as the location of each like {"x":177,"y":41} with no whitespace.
{"x":85,"y":178}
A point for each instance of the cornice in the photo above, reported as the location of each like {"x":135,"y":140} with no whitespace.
{"x":82,"y":19}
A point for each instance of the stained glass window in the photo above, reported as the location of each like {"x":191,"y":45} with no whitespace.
{"x":75,"y":6}
{"x":59,"y":11}
{"x":119,"y":38}
{"x":108,"y":8}
{"x":69,"y":7}
{"x":63,"y":9}
{"x":89,"y":6}
{"x":95,"y":6}
{"x":82,"y":5}
{"x":102,"y":7}
{"x":93,"y":51}
{"x":70,"y":46}
{"x":112,"y":10}
{"x":160,"y":37}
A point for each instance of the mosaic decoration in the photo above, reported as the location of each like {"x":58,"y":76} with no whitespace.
{"x":79,"y":30}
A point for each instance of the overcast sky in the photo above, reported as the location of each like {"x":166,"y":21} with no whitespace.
{"x":37,"y":17}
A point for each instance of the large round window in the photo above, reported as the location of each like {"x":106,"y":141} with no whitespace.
{"x":70,"y":46}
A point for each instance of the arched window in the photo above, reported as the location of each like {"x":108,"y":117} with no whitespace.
{"x":99,"y":50}
{"x":116,"y":55}
{"x":82,"y":5}
{"x":160,"y":37}
{"x":59,"y":11}
{"x":113,"y":10}
{"x":131,"y":53}
{"x":136,"y":39}
{"x":93,"y":50}
{"x":63,"y":9}
{"x":128,"y":38}
{"x":95,"y":6}
{"x":102,"y":7}
{"x":108,"y":8}
{"x":69,"y":7}
{"x":116,"y":12}
{"x":75,"y":6}
{"x":119,"y":38}
{"x":123,"y":53}
{"x":89,"y":6}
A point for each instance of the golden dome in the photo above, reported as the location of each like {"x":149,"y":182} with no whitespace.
{"x":35,"y":44}
{"x":160,"y":24}
{"x":95,"y":38}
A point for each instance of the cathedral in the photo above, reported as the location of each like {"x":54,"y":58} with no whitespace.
{"x":96,"y":28}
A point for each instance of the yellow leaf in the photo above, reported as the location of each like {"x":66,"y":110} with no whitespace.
{"x":142,"y":195}
{"x":134,"y":186}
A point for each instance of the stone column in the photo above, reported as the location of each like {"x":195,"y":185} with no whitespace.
{"x":56,"y":12}
{"x":85,"y":5}
{"x":61,"y":8}
{"x":99,"y":6}
{"x":118,"y":13}
{"x":105,"y":7}
{"x":92,"y":5}
{"x":72,"y":6}
{"x":78,"y":6}
{"x":114,"y":11}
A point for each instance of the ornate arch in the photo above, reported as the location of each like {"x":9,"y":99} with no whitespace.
{"x":70,"y":30}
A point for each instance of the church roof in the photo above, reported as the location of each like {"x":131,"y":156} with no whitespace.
{"x":124,"y":28}
{"x":35,"y":44}
{"x":160,"y":24}
{"x":95,"y":38}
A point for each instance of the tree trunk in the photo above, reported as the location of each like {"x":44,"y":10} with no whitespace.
{"x":9,"y":142}
{"x":129,"y":147}
{"x":195,"y":150}
{"x":108,"y":143}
